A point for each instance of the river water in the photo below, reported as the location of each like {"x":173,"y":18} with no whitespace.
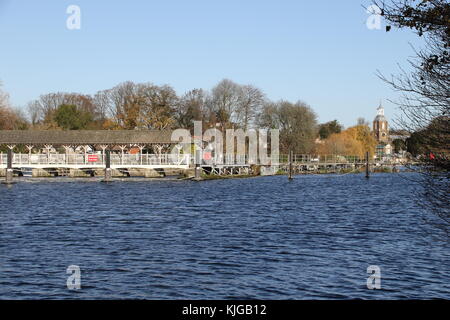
{"x":259,"y":238}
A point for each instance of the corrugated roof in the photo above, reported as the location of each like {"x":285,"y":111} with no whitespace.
{"x":86,"y":137}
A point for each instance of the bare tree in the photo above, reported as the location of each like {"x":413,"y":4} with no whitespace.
{"x":158,"y":106}
{"x":101,"y":101}
{"x":124,"y":104}
{"x":35,"y":113}
{"x":191,"y":107}
{"x":225,"y":99}
{"x":297,"y":124}
{"x":4,"y":98}
{"x":10,"y":119}
{"x":251,"y":101}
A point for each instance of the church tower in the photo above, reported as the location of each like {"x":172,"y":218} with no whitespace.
{"x":381,"y":126}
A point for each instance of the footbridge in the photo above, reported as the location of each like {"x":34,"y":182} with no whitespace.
{"x":90,"y":153}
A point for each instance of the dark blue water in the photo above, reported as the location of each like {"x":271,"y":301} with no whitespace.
{"x":263,"y":238}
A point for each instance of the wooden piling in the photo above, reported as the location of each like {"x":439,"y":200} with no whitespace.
{"x":9,"y":168}
{"x":367,"y":166}
{"x":291,"y":156}
{"x":198,"y":166}
{"x":108,"y":171}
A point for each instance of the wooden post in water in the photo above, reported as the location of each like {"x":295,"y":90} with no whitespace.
{"x":291,"y":156}
{"x":367,"y":166}
{"x":198,"y":165}
{"x":108,"y":173}
{"x":9,"y":169}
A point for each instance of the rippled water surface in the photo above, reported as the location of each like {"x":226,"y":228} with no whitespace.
{"x":263,"y":238}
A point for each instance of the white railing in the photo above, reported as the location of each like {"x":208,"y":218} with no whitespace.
{"x":235,"y":160}
{"x":117,"y":159}
{"x":23,"y":160}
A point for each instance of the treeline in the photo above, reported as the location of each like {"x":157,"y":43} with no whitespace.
{"x":134,"y":106}
{"x":139,"y":106}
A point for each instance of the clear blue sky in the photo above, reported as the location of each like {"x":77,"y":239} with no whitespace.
{"x":320,"y":52}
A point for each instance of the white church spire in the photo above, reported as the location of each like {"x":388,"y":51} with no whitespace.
{"x":380,"y":110}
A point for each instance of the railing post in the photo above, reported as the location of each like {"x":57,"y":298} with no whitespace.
{"x":122,"y":154}
{"x":30,"y":150}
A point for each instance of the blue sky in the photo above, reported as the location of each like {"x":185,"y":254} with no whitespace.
{"x":320,"y":52}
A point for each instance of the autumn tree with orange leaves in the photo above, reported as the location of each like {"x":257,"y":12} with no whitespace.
{"x":354,"y":141}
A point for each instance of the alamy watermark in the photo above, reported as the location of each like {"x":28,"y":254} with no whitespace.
{"x":374,"y":20}
{"x":74,"y":280}
{"x":374,"y":280}
{"x":234,"y":147}
{"x":73,"y":22}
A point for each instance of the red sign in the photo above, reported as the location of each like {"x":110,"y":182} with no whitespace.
{"x":92,"y":158}
{"x":207,"y":156}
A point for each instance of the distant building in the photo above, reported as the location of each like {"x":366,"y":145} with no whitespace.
{"x":381,"y":132}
